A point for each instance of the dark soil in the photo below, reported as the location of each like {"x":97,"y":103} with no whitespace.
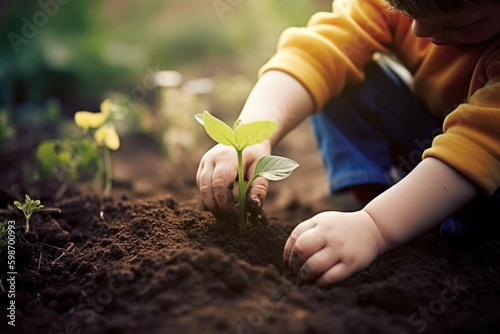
{"x":153,"y":260}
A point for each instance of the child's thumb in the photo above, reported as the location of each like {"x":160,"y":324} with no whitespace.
{"x":258,"y":191}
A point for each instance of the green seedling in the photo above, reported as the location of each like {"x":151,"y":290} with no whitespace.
{"x":67,"y":159}
{"x":100,"y":124}
{"x":241,"y":136}
{"x":28,"y":208}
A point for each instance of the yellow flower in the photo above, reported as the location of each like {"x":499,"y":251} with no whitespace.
{"x":89,"y":120}
{"x":105,"y":106}
{"x":106,"y":136}
{"x":92,"y":120}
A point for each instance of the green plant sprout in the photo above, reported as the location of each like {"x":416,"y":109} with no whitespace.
{"x":100,"y":124}
{"x":240,"y":136}
{"x":28,"y":208}
{"x":67,"y":159}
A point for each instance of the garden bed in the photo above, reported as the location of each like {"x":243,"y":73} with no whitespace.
{"x":152,"y":259}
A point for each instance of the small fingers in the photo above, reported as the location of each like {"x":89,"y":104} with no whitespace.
{"x":258,"y":191}
{"x":222,"y":193}
{"x":204,"y":183}
{"x":296,"y":233}
{"x":305,"y":246}
{"x":336,"y":274}
{"x":318,"y":264}
{"x":213,"y":179}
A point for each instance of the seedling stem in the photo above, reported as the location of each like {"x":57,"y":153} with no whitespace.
{"x":241,"y":194}
{"x":107,"y":171}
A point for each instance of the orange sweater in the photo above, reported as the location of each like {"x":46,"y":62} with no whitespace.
{"x":459,"y":82}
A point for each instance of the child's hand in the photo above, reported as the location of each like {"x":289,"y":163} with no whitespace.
{"x":219,"y":167}
{"x":332,"y":246}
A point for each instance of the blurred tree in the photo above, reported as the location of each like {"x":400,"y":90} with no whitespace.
{"x":80,"y":51}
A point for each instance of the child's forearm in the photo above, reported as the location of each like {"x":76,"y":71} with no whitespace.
{"x":432,"y":192}
{"x":277,"y":96}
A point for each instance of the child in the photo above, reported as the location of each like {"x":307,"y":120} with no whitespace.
{"x":372,"y":127}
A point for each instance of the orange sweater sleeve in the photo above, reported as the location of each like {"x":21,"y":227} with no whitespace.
{"x":471,"y":139}
{"x":334,"y":47}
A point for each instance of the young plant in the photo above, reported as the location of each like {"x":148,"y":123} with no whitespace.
{"x":28,"y":208}
{"x":100,"y":124}
{"x":67,"y":160}
{"x":240,"y":136}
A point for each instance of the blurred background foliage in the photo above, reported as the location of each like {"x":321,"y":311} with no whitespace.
{"x":60,"y":56}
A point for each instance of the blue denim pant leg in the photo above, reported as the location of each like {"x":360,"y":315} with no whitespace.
{"x":372,"y":130}
{"x":476,"y":223}
{"x":380,"y":126}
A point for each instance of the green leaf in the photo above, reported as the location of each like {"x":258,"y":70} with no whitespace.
{"x":70,"y":159}
{"x":18,"y":204}
{"x":218,"y":130}
{"x":275,"y":168}
{"x":54,"y":154}
{"x":248,"y":134}
{"x":87,"y":160}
